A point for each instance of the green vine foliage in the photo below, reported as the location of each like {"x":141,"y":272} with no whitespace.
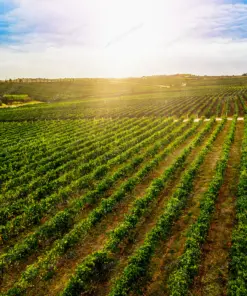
{"x":188,"y":263}
{"x":237,"y":285}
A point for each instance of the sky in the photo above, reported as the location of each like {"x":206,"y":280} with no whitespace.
{"x":122,"y":38}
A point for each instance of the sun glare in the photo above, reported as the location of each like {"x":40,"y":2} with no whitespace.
{"x":135,"y":29}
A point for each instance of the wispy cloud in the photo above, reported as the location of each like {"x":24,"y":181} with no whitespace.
{"x":121,"y":37}
{"x":227,"y":21}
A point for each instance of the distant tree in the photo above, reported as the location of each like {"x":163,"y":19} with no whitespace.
{"x":245,"y":74}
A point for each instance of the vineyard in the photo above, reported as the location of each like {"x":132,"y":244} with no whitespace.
{"x":126,"y":196}
{"x":224,"y":103}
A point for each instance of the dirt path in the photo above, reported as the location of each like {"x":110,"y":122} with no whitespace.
{"x":213,"y":273}
{"x":231,"y":107}
{"x":240,"y":109}
{"x":166,"y":255}
{"x":222,"y":108}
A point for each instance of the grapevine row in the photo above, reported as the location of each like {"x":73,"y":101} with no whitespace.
{"x":188,"y":262}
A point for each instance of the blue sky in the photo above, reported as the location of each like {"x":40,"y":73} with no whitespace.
{"x":95,"y":38}
{"x":4,"y":25}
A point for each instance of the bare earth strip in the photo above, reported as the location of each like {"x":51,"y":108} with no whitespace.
{"x":166,"y":255}
{"x":213,"y":272}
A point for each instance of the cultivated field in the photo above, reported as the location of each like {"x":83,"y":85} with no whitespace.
{"x":133,"y":195}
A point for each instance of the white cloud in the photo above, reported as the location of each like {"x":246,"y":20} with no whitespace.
{"x":123,"y":38}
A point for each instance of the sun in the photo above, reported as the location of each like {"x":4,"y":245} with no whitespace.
{"x":134,"y":30}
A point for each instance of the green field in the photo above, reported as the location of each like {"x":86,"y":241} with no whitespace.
{"x":123,"y":187}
